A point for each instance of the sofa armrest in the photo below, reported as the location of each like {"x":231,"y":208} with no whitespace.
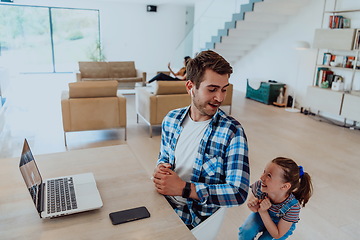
{"x":65,"y":109}
{"x":122,"y":109}
{"x":78,"y":77}
{"x":141,"y":74}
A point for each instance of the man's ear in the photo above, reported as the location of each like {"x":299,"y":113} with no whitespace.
{"x":189,"y":85}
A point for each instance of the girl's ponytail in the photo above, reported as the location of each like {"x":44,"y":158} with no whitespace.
{"x":304,"y":191}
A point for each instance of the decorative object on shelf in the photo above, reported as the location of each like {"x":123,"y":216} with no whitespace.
{"x":337,"y":84}
{"x":325,"y":84}
{"x":300,"y":46}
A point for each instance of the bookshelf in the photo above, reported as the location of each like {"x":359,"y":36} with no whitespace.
{"x":336,"y":83}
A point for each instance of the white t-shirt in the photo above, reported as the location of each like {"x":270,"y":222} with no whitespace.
{"x":187,"y":148}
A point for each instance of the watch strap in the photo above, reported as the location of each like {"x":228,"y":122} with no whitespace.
{"x":186,"y":190}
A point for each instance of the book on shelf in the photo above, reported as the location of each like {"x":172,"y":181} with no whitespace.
{"x":333,"y":57}
{"x":338,"y":21}
{"x":350,"y":60}
{"x":346,"y":23}
{"x":330,"y":78}
{"x":331,"y":21}
{"x":327,"y":59}
{"x":324,"y":74}
{"x":319,"y":75}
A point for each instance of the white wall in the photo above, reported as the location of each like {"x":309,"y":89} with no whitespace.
{"x":276,"y":58}
{"x":128,"y":32}
{"x":131,"y":33}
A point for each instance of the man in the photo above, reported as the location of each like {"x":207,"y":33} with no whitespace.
{"x":203,"y":160}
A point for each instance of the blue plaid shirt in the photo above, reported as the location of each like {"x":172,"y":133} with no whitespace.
{"x":221,"y":170}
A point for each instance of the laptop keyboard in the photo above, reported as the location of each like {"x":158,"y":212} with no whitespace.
{"x":61,"y":195}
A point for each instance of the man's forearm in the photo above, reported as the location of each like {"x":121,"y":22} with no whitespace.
{"x":223,"y":194}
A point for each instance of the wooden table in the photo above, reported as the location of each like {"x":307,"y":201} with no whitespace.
{"x":122,"y":183}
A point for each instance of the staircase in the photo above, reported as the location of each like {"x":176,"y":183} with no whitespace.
{"x":254,"y":23}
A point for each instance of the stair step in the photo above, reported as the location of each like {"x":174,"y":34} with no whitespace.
{"x":255,"y":21}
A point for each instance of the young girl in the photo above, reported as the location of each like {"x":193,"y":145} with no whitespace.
{"x":276,"y":199}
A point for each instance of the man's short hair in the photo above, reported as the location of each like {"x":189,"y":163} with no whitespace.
{"x":196,"y":67}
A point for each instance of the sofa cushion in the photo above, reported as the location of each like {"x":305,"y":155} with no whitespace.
{"x":170,"y":87}
{"x":94,"y":69}
{"x":132,"y":79}
{"x":90,"y":89}
{"x":96,"y":79}
{"x":122,"y":69}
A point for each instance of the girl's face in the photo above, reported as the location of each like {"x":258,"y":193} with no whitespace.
{"x":272,"y":179}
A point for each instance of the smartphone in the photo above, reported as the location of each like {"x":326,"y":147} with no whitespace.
{"x":129,"y":215}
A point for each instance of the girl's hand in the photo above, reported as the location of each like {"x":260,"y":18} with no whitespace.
{"x":265,"y":205}
{"x":253,"y":204}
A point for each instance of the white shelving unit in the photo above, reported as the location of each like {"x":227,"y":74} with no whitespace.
{"x":338,"y":42}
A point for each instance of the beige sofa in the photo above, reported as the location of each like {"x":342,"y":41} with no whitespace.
{"x":92,"y":105}
{"x":153,"y":103}
{"x":124,"y":72}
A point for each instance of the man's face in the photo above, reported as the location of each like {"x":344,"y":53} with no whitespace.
{"x":207,"y":99}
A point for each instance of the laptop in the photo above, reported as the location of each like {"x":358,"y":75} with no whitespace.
{"x":58,"y":196}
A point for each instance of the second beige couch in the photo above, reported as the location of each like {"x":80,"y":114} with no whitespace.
{"x":124,"y":73}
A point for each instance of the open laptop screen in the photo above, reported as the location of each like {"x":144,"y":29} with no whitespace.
{"x":30,"y":173}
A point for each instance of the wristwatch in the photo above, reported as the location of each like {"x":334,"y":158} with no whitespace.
{"x":187,"y":190}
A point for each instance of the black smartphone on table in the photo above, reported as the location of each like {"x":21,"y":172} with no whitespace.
{"x":129,"y":215}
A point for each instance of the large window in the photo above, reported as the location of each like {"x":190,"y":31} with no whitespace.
{"x":42,"y":39}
